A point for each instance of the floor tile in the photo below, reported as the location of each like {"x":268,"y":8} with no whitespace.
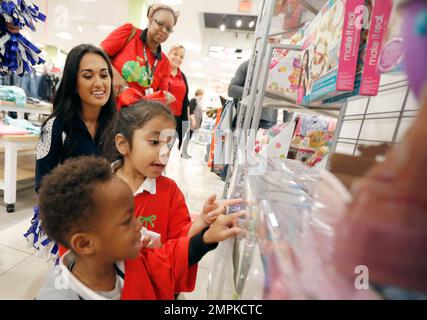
{"x":201,"y":290}
{"x":13,"y":237}
{"x":24,"y":281}
{"x":9,"y":258}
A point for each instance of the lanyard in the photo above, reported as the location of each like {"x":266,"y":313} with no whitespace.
{"x":147,"y":67}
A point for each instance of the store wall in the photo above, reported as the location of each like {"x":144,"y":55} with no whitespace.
{"x":84,"y":22}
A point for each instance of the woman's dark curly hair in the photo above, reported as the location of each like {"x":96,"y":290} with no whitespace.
{"x":66,"y":197}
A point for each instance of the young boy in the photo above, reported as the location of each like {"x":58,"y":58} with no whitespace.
{"x":87,"y":209}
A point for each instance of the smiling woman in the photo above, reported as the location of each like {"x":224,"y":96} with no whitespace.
{"x":178,"y":86}
{"x":83,"y":117}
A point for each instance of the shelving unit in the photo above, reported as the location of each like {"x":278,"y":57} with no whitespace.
{"x":256,"y":96}
{"x":285,"y":198}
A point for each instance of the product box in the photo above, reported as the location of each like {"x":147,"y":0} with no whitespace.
{"x":391,"y":56}
{"x":379,"y":20}
{"x":278,"y":146}
{"x":284,"y":76}
{"x":330,"y":51}
{"x":368,"y":76}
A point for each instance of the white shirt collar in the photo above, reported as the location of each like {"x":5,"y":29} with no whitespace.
{"x":148,"y":185}
{"x":66,"y":280}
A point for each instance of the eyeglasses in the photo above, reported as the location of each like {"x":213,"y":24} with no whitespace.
{"x":162,"y":25}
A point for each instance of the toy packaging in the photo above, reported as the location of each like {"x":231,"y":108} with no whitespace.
{"x":330,"y":51}
{"x":368,"y":75}
{"x":284,"y":76}
{"x":391,"y":56}
{"x":285,"y":67}
{"x":275,"y":142}
{"x":379,"y":20}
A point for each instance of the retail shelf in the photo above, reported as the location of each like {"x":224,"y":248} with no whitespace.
{"x":309,"y":6}
{"x":280,"y":100}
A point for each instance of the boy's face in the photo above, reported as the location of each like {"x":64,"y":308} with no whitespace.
{"x":117,"y":232}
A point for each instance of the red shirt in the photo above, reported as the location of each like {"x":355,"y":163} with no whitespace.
{"x":157,"y":274}
{"x":128,"y":59}
{"x":165,"y":211}
{"x":178,"y":88}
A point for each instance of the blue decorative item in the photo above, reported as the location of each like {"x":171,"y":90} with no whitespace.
{"x":38,"y":239}
{"x":21,"y":13}
{"x":17,"y":54}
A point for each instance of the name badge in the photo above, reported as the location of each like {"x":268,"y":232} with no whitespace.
{"x":149,"y":91}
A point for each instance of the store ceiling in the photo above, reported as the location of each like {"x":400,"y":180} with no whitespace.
{"x":90,"y":21}
{"x":215,"y":20}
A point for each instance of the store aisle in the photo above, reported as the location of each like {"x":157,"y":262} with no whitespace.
{"x":197,"y":183}
{"x":22,"y":272}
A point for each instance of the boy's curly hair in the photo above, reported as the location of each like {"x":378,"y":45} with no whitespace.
{"x":66,"y":197}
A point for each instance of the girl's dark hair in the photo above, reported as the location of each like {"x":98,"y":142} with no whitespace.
{"x":67,"y":104}
{"x":134,"y":117}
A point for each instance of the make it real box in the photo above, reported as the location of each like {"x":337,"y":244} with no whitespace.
{"x":376,"y":19}
{"x":379,"y":20}
{"x":330,"y":51}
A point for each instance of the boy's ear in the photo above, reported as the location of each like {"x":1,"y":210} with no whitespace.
{"x":122,"y":144}
{"x":82,"y":244}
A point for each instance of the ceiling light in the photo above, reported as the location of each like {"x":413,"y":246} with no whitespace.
{"x":80,"y":28}
{"x":251,"y":24}
{"x":222,"y":27}
{"x":64,"y":35}
{"x":238,"y":23}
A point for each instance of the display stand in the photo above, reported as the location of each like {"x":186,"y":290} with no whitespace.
{"x":287,"y":248}
{"x":12,"y":144}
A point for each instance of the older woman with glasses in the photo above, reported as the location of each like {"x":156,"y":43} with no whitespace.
{"x":137,"y":57}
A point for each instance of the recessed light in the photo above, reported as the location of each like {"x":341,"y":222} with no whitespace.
{"x":222,"y":27}
{"x":251,"y":24}
{"x":239,"y":23}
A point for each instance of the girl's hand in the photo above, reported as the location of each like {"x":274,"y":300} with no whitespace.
{"x":214,"y":208}
{"x":224,"y":227}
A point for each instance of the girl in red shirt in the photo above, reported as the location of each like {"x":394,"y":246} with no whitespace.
{"x":137,"y":57}
{"x":178,"y":86}
{"x":145,"y":133}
